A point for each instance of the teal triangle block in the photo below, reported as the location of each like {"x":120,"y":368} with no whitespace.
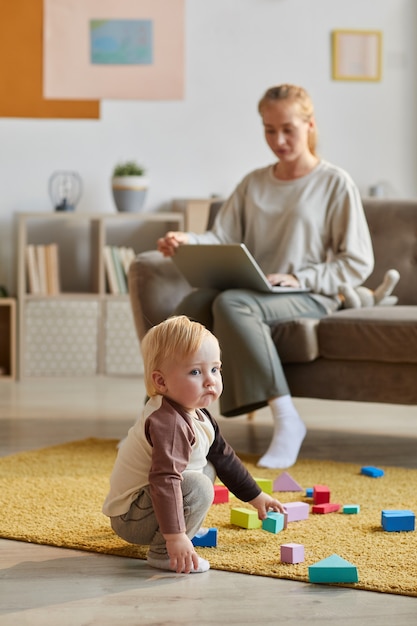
{"x":333,"y":569}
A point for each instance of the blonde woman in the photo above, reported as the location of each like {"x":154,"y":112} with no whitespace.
{"x":302,"y":219}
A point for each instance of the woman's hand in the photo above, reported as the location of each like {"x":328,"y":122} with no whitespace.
{"x":264,"y":503}
{"x":183,"y":557}
{"x":283,"y":280}
{"x":169,"y":244}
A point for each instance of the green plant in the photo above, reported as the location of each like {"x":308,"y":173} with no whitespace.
{"x":129,"y":168}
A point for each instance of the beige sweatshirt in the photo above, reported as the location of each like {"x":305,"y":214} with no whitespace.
{"x":313,"y":227}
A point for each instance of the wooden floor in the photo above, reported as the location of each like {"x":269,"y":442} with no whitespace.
{"x":40,"y":585}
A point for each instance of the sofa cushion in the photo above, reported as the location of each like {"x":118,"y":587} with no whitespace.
{"x":386,"y":334}
{"x":296,"y":340}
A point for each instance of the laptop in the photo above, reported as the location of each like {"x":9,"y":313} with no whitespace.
{"x":224,"y":266}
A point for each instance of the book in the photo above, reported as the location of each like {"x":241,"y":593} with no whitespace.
{"x":41,"y":260}
{"x":127,"y":255}
{"x":110,"y":271}
{"x":32,"y":270}
{"x":120,"y":273}
{"x":52,"y":269}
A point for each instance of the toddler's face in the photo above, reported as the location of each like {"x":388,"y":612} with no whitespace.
{"x":195,"y":381}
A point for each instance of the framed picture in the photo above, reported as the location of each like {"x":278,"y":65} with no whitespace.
{"x":357,"y":55}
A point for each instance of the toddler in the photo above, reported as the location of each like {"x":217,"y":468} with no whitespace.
{"x":161,"y":486}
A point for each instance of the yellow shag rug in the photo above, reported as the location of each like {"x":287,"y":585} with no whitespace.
{"x":54,"y":496}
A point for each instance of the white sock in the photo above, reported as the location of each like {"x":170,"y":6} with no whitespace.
{"x":288,"y":435}
{"x":203,"y":565}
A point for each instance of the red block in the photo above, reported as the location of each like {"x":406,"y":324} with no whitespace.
{"x":327,"y":507}
{"x":221,"y":494}
{"x":321,"y":494}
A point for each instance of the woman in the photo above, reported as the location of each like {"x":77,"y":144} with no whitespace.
{"x":303,"y":221}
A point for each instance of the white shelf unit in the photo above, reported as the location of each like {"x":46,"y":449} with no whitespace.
{"x":83,"y":330}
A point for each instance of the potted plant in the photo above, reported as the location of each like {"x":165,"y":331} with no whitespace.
{"x":129,"y":186}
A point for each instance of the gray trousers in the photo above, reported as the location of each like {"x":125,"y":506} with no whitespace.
{"x":242,"y":320}
{"x":140,"y":526}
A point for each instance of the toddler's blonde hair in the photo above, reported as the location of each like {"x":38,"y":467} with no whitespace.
{"x":176,"y":337}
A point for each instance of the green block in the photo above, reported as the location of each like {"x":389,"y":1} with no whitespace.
{"x":274,"y":523}
{"x":265,"y":484}
{"x":245,"y":518}
{"x":334,"y":569}
{"x":351,"y":508}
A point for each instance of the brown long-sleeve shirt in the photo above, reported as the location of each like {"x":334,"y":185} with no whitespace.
{"x":165,"y":442}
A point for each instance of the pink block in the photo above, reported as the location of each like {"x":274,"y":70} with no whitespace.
{"x":296,"y":511}
{"x":221,"y":494}
{"x":321,"y":494}
{"x":292,"y":553}
{"x":326,"y":507}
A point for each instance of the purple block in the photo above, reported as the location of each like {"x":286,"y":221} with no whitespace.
{"x":296,"y":511}
{"x":292,"y":553}
{"x":285,"y":482}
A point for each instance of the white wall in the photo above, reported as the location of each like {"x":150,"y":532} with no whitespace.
{"x":205,"y":143}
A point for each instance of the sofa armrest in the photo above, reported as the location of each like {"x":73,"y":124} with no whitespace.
{"x":156,"y":287}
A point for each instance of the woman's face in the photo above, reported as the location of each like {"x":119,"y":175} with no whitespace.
{"x":286,"y":132}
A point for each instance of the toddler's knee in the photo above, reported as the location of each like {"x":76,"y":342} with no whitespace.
{"x":197,"y":487}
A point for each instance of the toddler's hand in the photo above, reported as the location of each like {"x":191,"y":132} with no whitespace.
{"x":181,"y":552}
{"x":264,"y":503}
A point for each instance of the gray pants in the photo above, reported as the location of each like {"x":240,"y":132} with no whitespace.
{"x":140,"y":526}
{"x":242,"y":321}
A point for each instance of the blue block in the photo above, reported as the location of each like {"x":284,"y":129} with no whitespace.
{"x":207,"y":538}
{"x":334,"y":569}
{"x":397,"y":521}
{"x":274,"y":523}
{"x":309,"y":492}
{"x":374,"y":472}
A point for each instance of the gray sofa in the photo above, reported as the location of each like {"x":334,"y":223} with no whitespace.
{"x":367,"y":355}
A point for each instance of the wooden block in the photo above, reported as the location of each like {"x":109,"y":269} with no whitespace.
{"x":296,"y":511}
{"x":373,"y":472}
{"x":398,"y":521}
{"x":351,"y":508}
{"x":205,"y":538}
{"x":245,"y":518}
{"x":221,"y":494}
{"x":285,"y":482}
{"x":327,"y":507}
{"x":292,"y":553}
{"x":309,"y":492}
{"x":274,"y":523}
{"x":321,"y":494}
{"x":265,"y":484}
{"x":334,"y":569}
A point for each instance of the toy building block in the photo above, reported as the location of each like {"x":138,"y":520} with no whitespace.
{"x":321,"y":494}
{"x":292,"y":553}
{"x":265,"y":484}
{"x":373,"y":472}
{"x":205,"y":538}
{"x":397,"y":521}
{"x":309,"y":492}
{"x":274,"y":523}
{"x":296,"y":511}
{"x":221,"y":494}
{"x":334,"y":569}
{"x":351,"y":508}
{"x":285,"y":482}
{"x":245,"y":518}
{"x":327,"y":507}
